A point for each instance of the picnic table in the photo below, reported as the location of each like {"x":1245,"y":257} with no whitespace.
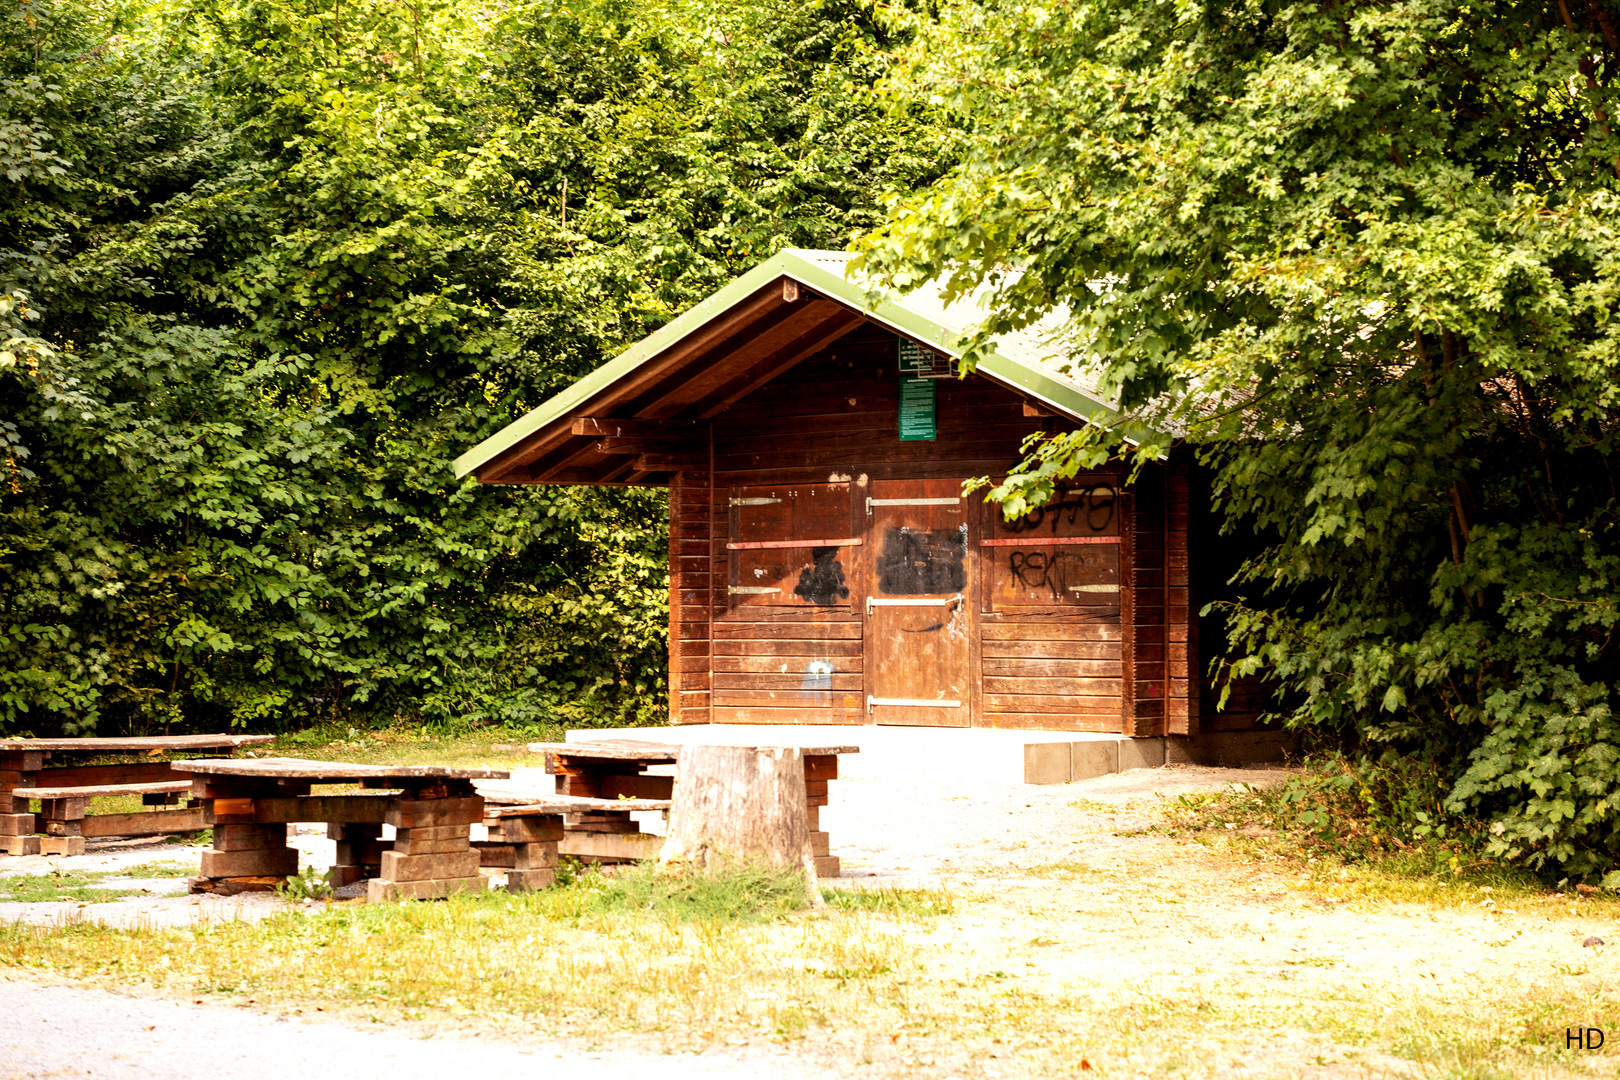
{"x":610,"y":774}
{"x":29,"y":769}
{"x":432,"y":809}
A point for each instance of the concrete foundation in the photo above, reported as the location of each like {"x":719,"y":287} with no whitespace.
{"x":970,"y":754}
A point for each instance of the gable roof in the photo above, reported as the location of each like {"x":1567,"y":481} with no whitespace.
{"x":691,"y":369}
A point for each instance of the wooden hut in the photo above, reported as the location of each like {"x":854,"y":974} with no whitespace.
{"x":825,"y":567}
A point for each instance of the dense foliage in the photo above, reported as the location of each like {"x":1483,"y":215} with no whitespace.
{"x":267,"y":266}
{"x":1368,"y":257}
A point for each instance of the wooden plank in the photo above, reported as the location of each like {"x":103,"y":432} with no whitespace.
{"x":631,"y":750}
{"x":1000,"y":627}
{"x":788,"y":666}
{"x":1052,"y":650}
{"x":1106,"y":723}
{"x":382,"y":891}
{"x":525,"y":828}
{"x":107,"y":790}
{"x":140,"y":772}
{"x":567,"y":804}
{"x":610,"y":847}
{"x":610,"y":786}
{"x":269,"y":862}
{"x":1051,"y":703}
{"x":331,"y":771}
{"x":752,"y":713}
{"x":399,"y":867}
{"x":1026,"y":667}
{"x":1084,"y":688}
{"x":613,"y":427}
{"x":134,"y":743}
{"x":414,"y":813}
{"x":791,"y":681}
{"x":818,"y":702}
{"x":371,"y":809}
{"x":804,"y":629}
{"x":765,"y":648}
{"x":249,"y":837}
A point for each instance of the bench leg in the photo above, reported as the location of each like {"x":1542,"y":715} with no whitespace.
{"x":62,"y":822}
{"x":432,"y":855}
{"x":527,"y":847}
{"x":247,"y":855}
{"x":359,"y":851}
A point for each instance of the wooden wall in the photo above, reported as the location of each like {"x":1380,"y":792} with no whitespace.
{"x":1118,"y":666}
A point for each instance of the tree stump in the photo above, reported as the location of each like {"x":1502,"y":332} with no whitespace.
{"x":741,"y":805}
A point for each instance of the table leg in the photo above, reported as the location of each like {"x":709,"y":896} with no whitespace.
{"x":248,"y":855}
{"x":526,"y":846}
{"x":17,"y":826}
{"x":62,"y":822}
{"x":432,"y":854}
{"x":360,"y":849}
{"x":818,"y":769}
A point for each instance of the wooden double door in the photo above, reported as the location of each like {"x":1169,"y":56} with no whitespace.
{"x":904,"y":602}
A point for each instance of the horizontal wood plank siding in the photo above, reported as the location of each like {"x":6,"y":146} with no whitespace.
{"x":832,"y":419}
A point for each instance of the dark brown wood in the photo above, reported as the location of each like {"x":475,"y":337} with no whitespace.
{"x":613,"y":427}
{"x":1096,"y":602}
{"x":337,"y":809}
{"x":134,"y":743}
{"x":331,"y":772}
{"x":105,"y":790}
{"x":144,"y":823}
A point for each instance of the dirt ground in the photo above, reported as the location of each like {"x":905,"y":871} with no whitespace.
{"x":1066,"y":891}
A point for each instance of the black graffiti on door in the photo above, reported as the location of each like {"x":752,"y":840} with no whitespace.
{"x":1094,"y":507}
{"x":1050,"y":571}
{"x":920,"y":562}
{"x":822,"y":582}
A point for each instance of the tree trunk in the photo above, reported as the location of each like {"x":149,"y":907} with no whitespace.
{"x":741,"y":805}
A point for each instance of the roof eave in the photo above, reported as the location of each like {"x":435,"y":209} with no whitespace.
{"x":790,"y":263}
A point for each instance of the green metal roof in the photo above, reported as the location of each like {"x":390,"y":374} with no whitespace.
{"x":1024,"y":361}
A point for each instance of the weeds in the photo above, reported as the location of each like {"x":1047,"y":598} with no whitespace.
{"x":307,"y":884}
{"x":1388,"y":811}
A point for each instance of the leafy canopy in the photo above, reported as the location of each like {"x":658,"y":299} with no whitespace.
{"x":1365,"y":258}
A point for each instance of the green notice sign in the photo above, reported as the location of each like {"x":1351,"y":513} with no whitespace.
{"x":916,"y":410}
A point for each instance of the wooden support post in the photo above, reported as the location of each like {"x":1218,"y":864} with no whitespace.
{"x":360,"y":849}
{"x":432,"y":855}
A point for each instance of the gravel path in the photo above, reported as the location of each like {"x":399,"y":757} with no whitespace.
{"x":63,"y":1030}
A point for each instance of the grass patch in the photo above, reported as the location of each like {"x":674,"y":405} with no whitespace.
{"x":81,"y":885}
{"x":158,"y":870}
{"x":748,"y":894}
{"x":893,"y":901}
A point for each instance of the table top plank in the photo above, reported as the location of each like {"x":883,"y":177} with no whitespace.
{"x":93,"y":791}
{"x":637,"y":750}
{"x":142,"y":742}
{"x":508,"y":804}
{"x":331,"y":771}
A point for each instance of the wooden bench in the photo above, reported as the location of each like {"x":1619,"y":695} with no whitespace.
{"x":64,"y":791}
{"x":589,"y":829}
{"x":613,"y":772}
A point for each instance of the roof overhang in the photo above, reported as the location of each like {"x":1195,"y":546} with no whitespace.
{"x":639,"y":417}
